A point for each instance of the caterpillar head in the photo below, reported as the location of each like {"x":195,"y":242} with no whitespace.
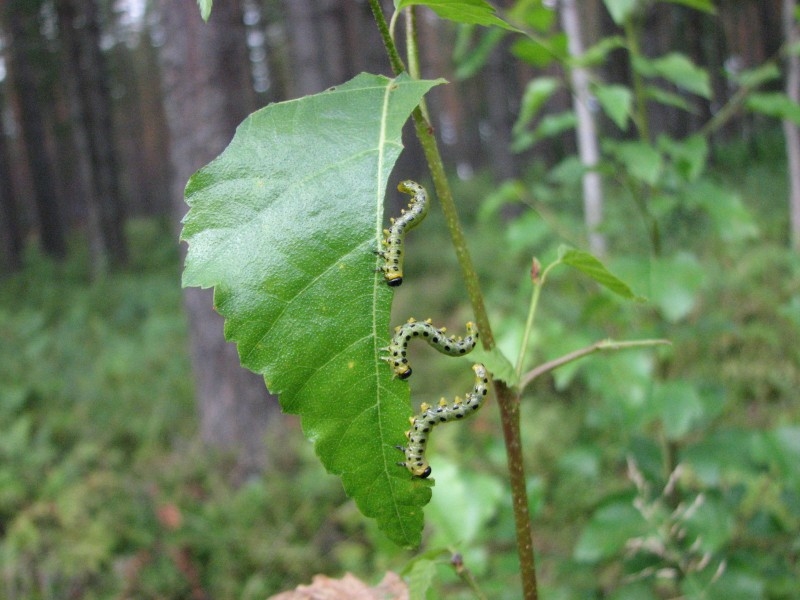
{"x":393,"y":279}
{"x":422,"y":470}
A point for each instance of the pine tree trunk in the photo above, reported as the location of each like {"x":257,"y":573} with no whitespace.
{"x":23,"y":26}
{"x":81,"y":33}
{"x":10,"y":227}
{"x":207,"y":91}
{"x":306,"y":58}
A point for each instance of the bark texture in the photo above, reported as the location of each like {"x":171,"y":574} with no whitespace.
{"x":23,"y":26}
{"x":206,"y":86}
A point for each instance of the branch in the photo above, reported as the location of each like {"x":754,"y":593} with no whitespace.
{"x":575,"y":355}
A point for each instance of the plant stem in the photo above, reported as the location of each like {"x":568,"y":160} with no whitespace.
{"x":412,"y":53}
{"x":444,"y":194}
{"x":580,"y":353}
{"x":537,"y":290}
{"x":640,"y":97}
{"x":507,"y":400}
{"x":383,"y":27}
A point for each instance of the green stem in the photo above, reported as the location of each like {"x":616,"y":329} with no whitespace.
{"x":640,"y":98}
{"x":507,"y":400}
{"x":642,"y":191}
{"x":445,"y":195}
{"x":537,"y":291}
{"x":412,"y":50}
{"x":383,"y":27}
{"x":413,"y":53}
{"x":538,"y":279}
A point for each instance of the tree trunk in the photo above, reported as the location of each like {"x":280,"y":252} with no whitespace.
{"x":10,"y":227}
{"x":588,"y":147}
{"x":207,"y":91}
{"x":81,"y":32}
{"x":23,"y":26}
{"x":305,"y":55}
{"x":789,"y":128}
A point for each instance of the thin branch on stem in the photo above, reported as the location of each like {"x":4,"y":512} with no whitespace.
{"x":580,"y":353}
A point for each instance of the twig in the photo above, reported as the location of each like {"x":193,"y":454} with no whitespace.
{"x":575,"y":355}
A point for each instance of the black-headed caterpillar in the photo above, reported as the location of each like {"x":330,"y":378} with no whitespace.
{"x":392,"y":252}
{"x":437,"y":338}
{"x":430,"y":416}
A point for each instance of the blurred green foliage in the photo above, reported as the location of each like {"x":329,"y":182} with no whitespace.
{"x":105,"y":490}
{"x":658,"y":473}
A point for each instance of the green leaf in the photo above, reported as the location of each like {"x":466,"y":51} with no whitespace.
{"x":589,"y":265}
{"x":539,"y":54}
{"x":284,"y":225}
{"x":616,"y":101}
{"x":675,"y":284}
{"x":497,"y":363}
{"x":774,"y":104}
{"x":549,"y":126}
{"x":537,"y":92}
{"x":420,"y":577}
{"x":639,"y":159}
{"x":711,"y":526}
{"x":667,"y":98}
{"x":596,"y":55}
{"x":706,"y":6}
{"x":608,"y":531}
{"x":782,"y":451}
{"x":471,"y":12}
{"x":689,"y":156}
{"x":511,"y":191}
{"x":535,"y":15}
{"x":620,"y":10}
{"x":205,"y":8}
{"x":719,"y":455}
{"x":473,"y":61}
{"x":679,"y":406}
{"x":463,"y":505}
{"x":677,"y":69}
{"x":757,"y":76}
{"x":731,"y":219}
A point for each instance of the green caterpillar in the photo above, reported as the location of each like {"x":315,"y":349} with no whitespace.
{"x":435,"y":337}
{"x":392,"y":252}
{"x":429,"y":417}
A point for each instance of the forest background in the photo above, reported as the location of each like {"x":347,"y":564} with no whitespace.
{"x":111,"y":399}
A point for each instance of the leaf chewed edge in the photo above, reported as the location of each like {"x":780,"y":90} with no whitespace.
{"x":284,"y":225}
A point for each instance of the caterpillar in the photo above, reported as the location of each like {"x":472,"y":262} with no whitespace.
{"x":392,"y":251}
{"x":435,"y":337}
{"x":429,"y":417}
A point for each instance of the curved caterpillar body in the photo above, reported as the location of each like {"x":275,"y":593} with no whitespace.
{"x":392,"y":252}
{"x":430,"y":416}
{"x":404,"y":333}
